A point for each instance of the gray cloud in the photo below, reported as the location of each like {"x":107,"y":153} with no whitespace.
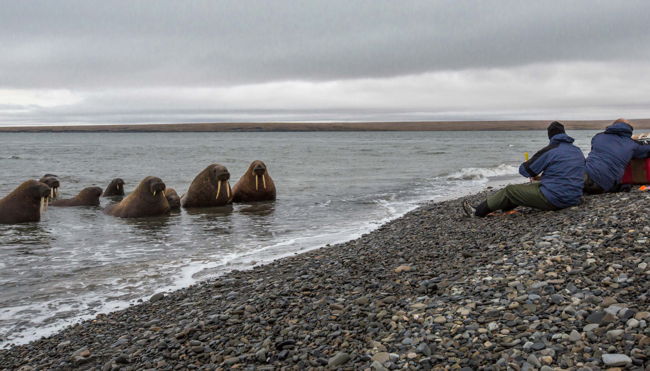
{"x":88,"y":43}
{"x":574,"y":90}
{"x":162,"y":61}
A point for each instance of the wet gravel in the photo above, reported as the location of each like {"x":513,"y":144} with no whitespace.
{"x":533,"y":290}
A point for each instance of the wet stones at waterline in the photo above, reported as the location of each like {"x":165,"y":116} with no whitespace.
{"x":148,"y":199}
{"x":255,"y":185}
{"x":25,"y":203}
{"x":87,"y":197}
{"x":114,"y":188}
{"x":209,"y":188}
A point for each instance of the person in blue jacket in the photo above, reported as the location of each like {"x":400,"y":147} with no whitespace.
{"x":611,"y":151}
{"x":562,"y":166}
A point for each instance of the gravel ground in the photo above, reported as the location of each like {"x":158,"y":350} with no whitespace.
{"x":434,"y":289}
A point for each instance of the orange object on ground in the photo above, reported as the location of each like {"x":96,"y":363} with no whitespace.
{"x":494,"y":213}
{"x":643,"y":188}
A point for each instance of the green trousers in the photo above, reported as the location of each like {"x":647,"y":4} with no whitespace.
{"x":515,"y":195}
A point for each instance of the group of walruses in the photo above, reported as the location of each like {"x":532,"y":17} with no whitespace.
{"x":151,"y":197}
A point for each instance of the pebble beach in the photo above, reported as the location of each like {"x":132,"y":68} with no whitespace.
{"x":433,"y":289}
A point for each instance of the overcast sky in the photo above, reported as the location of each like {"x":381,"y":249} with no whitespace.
{"x":210,"y":61}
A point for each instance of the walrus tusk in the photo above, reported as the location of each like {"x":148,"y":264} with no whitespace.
{"x":154,"y":193}
{"x":218,"y":189}
{"x":264,"y":182}
{"x":228,"y":189}
{"x":40,"y":209}
{"x":51,"y":192}
{"x":257,"y":188}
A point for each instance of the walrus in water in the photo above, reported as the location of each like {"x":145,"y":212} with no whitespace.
{"x":255,"y":185}
{"x":209,"y":188}
{"x":148,"y":199}
{"x":114,"y":188}
{"x":173,"y":199}
{"x":52,"y":181}
{"x":87,"y":197}
{"x":25,"y":203}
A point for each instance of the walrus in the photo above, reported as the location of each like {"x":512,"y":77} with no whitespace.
{"x":52,"y":181}
{"x":209,"y":188}
{"x":25,"y":203}
{"x":87,"y":197}
{"x":173,"y":199}
{"x":255,"y":185}
{"x":114,"y":188}
{"x":148,"y":199}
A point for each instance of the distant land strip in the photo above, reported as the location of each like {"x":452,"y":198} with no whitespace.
{"x":330,"y":126}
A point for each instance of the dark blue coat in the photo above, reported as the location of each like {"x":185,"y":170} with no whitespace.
{"x":610,"y":153}
{"x":563,"y":167}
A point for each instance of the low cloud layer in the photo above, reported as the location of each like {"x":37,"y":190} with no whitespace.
{"x":141,"y":62}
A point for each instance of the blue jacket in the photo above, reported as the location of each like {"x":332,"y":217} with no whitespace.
{"x":610,"y":153}
{"x":563,"y":165}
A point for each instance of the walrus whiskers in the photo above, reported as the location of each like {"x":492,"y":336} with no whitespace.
{"x":218,"y":189}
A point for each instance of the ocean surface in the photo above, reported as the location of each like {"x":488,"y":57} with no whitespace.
{"x":332,"y":187}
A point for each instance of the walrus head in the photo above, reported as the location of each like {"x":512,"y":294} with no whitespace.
{"x":35,"y":192}
{"x":210,"y":188}
{"x":52,"y":181}
{"x":115,"y":188}
{"x":152,"y":188}
{"x":91,"y":195}
{"x":255,"y":184}
{"x":147,"y":199}
{"x":258,"y":169}
{"x":26,"y":203}
{"x":218,"y":175}
{"x":173,"y":199}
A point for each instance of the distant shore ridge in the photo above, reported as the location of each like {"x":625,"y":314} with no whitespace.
{"x":329,"y":126}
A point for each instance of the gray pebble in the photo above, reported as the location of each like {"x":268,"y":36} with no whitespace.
{"x":613,"y":360}
{"x":338,"y":359}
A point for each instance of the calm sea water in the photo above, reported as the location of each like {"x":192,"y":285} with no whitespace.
{"x":332,"y":187}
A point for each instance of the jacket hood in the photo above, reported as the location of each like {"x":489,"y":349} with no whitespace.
{"x":619,"y":128}
{"x":557,"y":138}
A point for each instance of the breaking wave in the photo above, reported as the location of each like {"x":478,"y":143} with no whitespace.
{"x":476,"y":173}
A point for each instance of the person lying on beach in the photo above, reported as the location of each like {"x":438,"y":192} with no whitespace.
{"x":610,"y":153}
{"x":562,"y":166}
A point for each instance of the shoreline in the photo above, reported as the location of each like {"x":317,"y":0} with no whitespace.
{"x":330,"y":126}
{"x":398,"y":295}
{"x":240,"y":264}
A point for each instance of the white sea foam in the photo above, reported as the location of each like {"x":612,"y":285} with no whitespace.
{"x":474,"y":173}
